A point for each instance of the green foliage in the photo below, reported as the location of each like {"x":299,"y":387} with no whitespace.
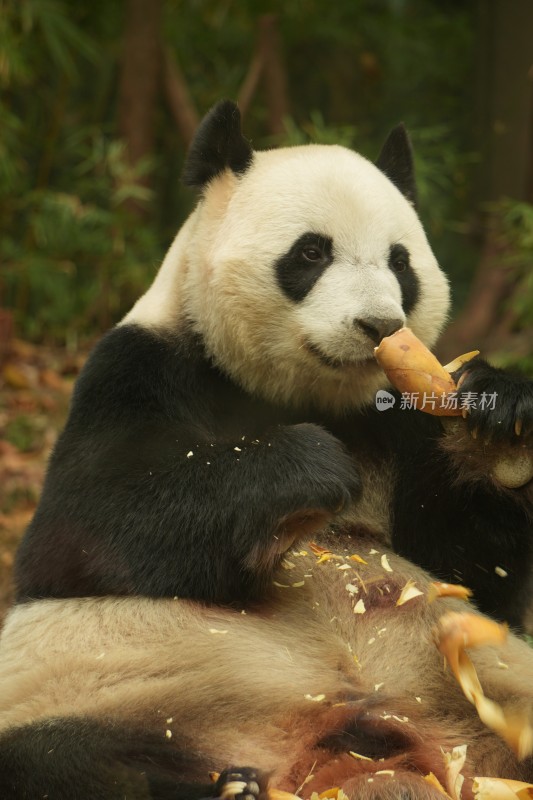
{"x":73,"y":256}
{"x":516,"y":243}
{"x":78,"y":257}
{"x":316,"y":131}
{"x":517,"y":222}
{"x":72,"y":253}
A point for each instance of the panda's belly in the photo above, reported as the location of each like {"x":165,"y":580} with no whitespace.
{"x":330,"y":665}
{"x":326,"y":635}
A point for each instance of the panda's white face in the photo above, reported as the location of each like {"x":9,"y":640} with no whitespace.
{"x":296,"y":269}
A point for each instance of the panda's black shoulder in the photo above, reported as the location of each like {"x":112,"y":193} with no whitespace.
{"x":138,"y":371}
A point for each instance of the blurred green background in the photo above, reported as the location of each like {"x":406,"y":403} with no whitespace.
{"x":98,"y":101}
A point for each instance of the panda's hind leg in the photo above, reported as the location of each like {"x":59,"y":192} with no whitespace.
{"x":87,"y":759}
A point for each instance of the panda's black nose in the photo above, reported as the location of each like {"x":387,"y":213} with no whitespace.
{"x":376,"y":328}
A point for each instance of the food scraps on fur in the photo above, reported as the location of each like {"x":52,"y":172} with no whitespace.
{"x":500,"y":789}
{"x":409,"y":592}
{"x":385,"y":563}
{"x":454,"y":762}
{"x":438,"y":589}
{"x":454,"y":633}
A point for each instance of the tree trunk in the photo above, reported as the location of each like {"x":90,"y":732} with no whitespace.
{"x":179,"y":99}
{"x":139,"y":78}
{"x":275,"y":76}
{"x":505,"y":114}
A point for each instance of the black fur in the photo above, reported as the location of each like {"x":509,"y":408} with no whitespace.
{"x":218,"y":145}
{"x":396,"y":161}
{"x":460,"y":531}
{"x":399,"y":263}
{"x":83,"y":759}
{"x":299,"y":269}
{"x":513,"y":401}
{"x":170,"y":480}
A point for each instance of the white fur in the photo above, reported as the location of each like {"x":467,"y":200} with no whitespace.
{"x":239,"y":685}
{"x":219,"y":273}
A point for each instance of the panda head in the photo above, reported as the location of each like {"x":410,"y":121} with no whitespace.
{"x":296,"y":262}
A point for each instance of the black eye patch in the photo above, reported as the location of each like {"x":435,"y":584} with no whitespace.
{"x":399,"y":263}
{"x":299,"y":269}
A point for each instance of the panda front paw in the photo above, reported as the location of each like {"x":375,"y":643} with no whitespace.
{"x":497,"y":405}
{"x":495,"y":442}
{"x":242,"y":783}
{"x":324,"y":475}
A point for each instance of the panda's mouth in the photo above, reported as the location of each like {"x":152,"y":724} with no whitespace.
{"x":339,"y":363}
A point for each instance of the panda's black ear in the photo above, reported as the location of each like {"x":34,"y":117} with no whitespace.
{"x":218,"y":144}
{"x":396,"y":161}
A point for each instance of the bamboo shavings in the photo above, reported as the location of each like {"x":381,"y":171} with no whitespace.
{"x":438,"y":589}
{"x":359,"y":756}
{"x":357,"y":558}
{"x":359,"y":607}
{"x":457,"y":631}
{"x":454,"y":762}
{"x":330,"y":794}
{"x":385,"y":563}
{"x":317,"y":550}
{"x":500,"y":789}
{"x":434,"y":781}
{"x":458,"y":362}
{"x":279,"y":794}
{"x":409,"y":592}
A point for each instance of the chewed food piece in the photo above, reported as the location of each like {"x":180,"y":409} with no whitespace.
{"x":457,"y":631}
{"x":413,"y":369}
{"x":500,"y":789}
{"x":409,"y":592}
{"x":437,"y":589}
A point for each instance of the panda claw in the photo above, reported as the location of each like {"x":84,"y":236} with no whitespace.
{"x":464,"y":412}
{"x":241,"y":784}
{"x":518,"y":427}
{"x":473,"y":433}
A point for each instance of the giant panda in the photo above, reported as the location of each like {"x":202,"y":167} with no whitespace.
{"x":171,"y":616}
{"x":233,"y":408}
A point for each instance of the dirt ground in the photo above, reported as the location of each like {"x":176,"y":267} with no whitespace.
{"x":35,"y":388}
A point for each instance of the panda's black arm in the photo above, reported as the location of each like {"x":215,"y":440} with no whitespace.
{"x":152,"y":491}
{"x":451,"y":515}
{"x":470,"y":533}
